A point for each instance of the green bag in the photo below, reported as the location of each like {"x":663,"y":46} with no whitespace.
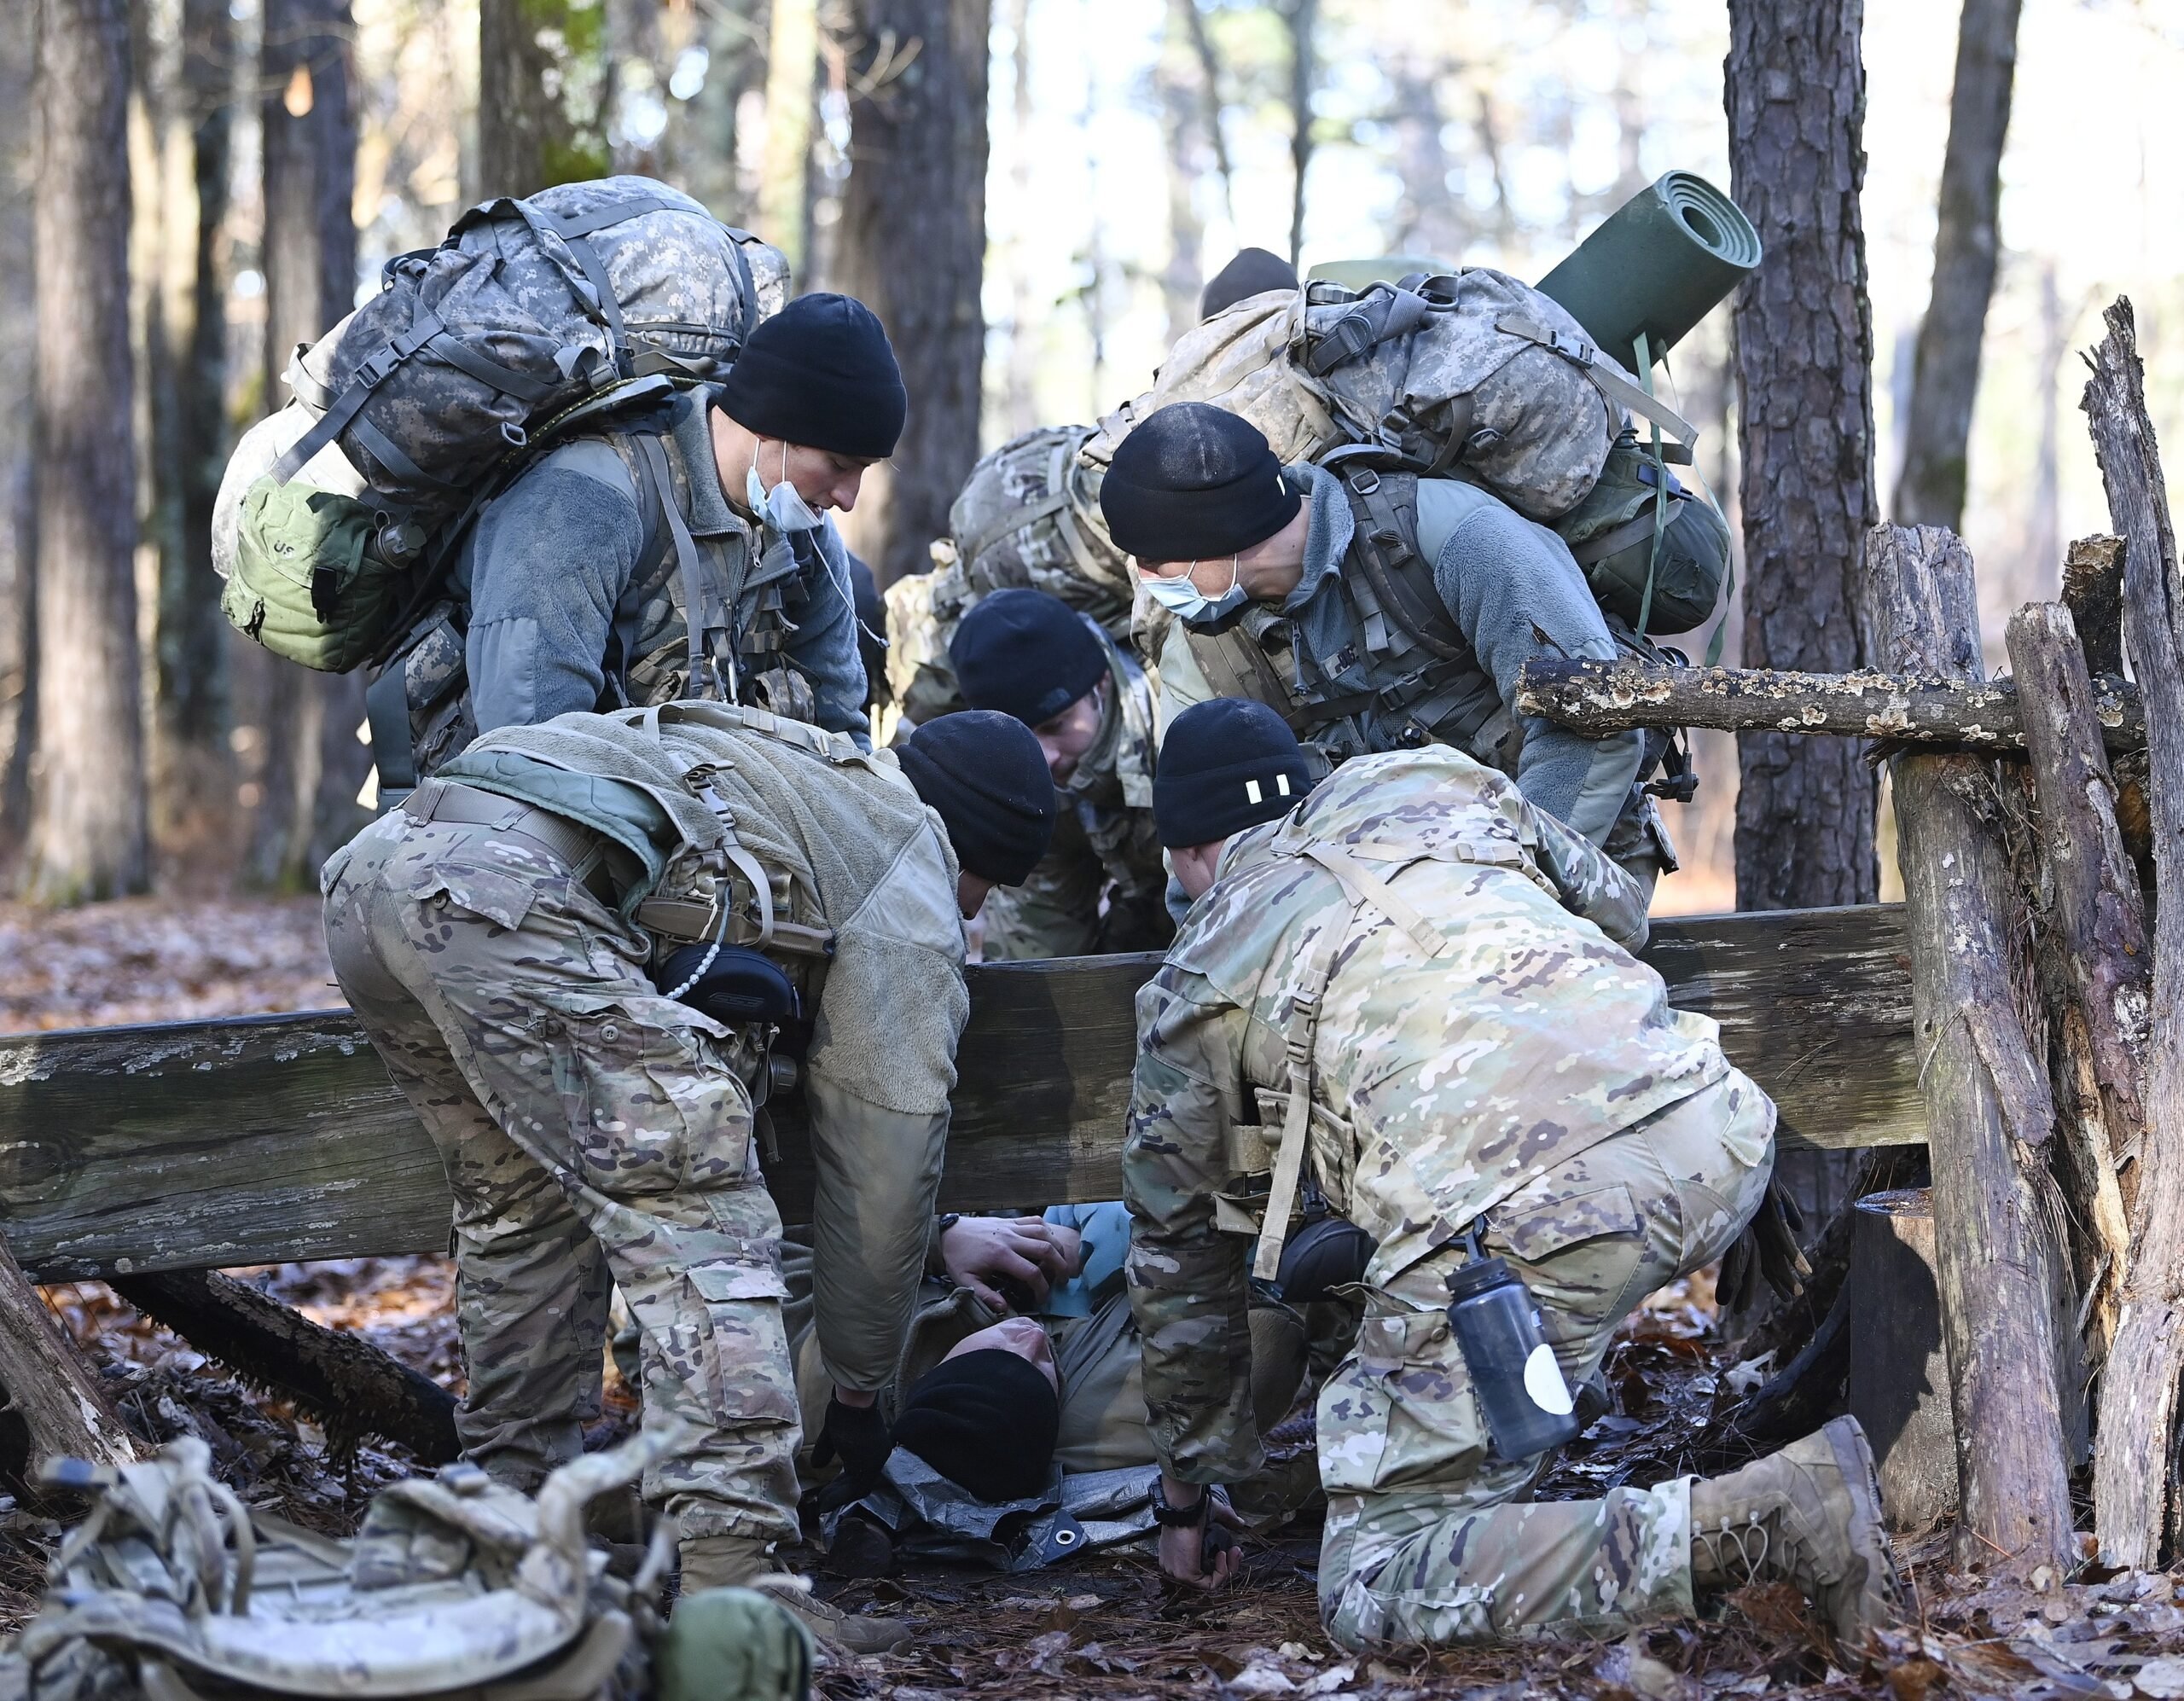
{"x":307,"y":582}
{"x":1613,"y":533}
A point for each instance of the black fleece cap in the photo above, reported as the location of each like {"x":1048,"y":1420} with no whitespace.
{"x":1194,"y":483}
{"x":1027,"y":654}
{"x":1226,"y":765}
{"x":985,"y":776}
{"x":1253,"y":272}
{"x":821,"y":372}
{"x":987,"y":1421}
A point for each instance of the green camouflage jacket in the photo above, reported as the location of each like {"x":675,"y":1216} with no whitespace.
{"x":1439,"y":1084}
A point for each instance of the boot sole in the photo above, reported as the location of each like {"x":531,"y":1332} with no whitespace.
{"x":1854,"y":1457}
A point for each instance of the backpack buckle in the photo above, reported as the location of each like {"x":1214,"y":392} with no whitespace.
{"x":1365,"y":480}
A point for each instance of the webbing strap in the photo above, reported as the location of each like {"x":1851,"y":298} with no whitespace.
{"x":486,"y":370}
{"x":1610,"y":383}
{"x":386,"y":712}
{"x":371,"y":372}
{"x":1298,"y":1040}
{"x":1623,"y":537}
{"x":389,"y":454}
{"x":704,"y":678}
{"x":1381,"y":554}
{"x":747,"y":289}
{"x":1366,"y":887}
{"x":968,"y":549}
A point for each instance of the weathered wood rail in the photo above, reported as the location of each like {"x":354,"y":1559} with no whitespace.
{"x":201,"y":1145}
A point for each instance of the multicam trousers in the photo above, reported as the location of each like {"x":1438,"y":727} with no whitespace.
{"x":1428,"y":1539}
{"x":595,"y":1135}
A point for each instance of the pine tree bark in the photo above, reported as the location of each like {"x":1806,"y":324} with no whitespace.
{"x":1301,"y":18}
{"x":1803,"y":330}
{"x":89,"y":838}
{"x":541,"y":73}
{"x":314,"y":764}
{"x":1945,"y":370}
{"x":18,"y":364}
{"x":912,"y":249}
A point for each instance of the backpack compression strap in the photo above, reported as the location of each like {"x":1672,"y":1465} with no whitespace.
{"x":1609,"y":382}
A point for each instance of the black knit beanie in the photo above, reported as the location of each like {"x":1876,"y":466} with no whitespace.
{"x":1193,"y":482}
{"x":1027,"y":654}
{"x":1253,"y":272}
{"x":821,"y":372}
{"x":1226,"y":764}
{"x":986,"y":1421}
{"x":986,"y":776}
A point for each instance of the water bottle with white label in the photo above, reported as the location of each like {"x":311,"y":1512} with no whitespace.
{"x":1520,"y":1389}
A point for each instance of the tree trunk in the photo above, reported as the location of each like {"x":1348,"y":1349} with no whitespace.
{"x":912,"y":249}
{"x":1803,"y":330}
{"x":18,"y":370}
{"x":1301,"y":19}
{"x":792,"y":59}
{"x":1945,"y":370}
{"x":2095,"y":961}
{"x":1176,"y":79}
{"x":2134,"y":1499}
{"x":192,"y":682}
{"x":314,"y":765}
{"x":542,"y":76}
{"x":1597,"y":698}
{"x":88,"y":833}
{"x":1988,"y":1108}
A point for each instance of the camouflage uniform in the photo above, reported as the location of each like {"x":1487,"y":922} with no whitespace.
{"x":1102,"y":886}
{"x":1507,"y":1059}
{"x":599,"y":1135}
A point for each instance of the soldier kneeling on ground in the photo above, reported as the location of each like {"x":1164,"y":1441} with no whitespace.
{"x":1101,"y":886}
{"x":1410,"y":993}
{"x":530,"y":941}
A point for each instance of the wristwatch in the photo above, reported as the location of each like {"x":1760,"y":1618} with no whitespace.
{"x":1179,"y":1517}
{"x":946,"y":1221}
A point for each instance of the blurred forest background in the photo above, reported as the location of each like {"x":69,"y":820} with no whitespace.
{"x":1031,"y":192}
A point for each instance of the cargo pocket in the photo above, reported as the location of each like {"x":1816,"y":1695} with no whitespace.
{"x":502,"y":899}
{"x":1579,"y":1254}
{"x":1400,"y":1412}
{"x":749,"y":1375}
{"x":652,"y":1107}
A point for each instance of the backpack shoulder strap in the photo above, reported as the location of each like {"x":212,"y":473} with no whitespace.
{"x":1385,"y":544}
{"x":698,"y":607}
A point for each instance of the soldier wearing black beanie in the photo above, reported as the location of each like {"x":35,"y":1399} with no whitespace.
{"x":1254,"y":272}
{"x":820,"y":373}
{"x":1194,"y":483}
{"x":1226,"y":765}
{"x":984,"y":774}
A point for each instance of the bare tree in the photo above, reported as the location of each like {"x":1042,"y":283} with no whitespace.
{"x":913,"y":238}
{"x":1176,"y":77}
{"x":1945,"y":371}
{"x":1301,"y":18}
{"x":784,"y":181}
{"x":17,"y":365}
{"x":1803,"y":329}
{"x":308,"y":122}
{"x":88,"y":831}
{"x":542,"y":91}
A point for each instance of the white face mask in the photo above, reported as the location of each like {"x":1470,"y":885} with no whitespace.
{"x":783,"y":507}
{"x":1192,"y":606}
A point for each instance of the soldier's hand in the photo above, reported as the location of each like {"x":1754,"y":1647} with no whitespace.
{"x":1203,"y":1556}
{"x":978,"y":1251}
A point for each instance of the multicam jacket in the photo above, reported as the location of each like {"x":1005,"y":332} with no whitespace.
{"x":1481,"y":1020}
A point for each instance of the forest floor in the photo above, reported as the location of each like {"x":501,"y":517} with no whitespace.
{"x":1107,"y":1626}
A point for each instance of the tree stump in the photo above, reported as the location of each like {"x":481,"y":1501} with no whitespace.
{"x":1989,"y":1110}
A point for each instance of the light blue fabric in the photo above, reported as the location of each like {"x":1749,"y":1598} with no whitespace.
{"x":1106,"y":1231}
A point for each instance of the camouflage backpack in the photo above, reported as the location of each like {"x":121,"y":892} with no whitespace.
{"x":173,"y":1590}
{"x":337,"y":514}
{"x":1028,"y":516}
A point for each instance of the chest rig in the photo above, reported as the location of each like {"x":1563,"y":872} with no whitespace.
{"x":1422,"y":682}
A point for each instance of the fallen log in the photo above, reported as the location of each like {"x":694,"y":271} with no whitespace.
{"x":256,"y":1139}
{"x":343,"y":1382}
{"x":1988,"y":1108}
{"x":47,"y":1387}
{"x":2097,"y":964}
{"x":2135,"y":1497}
{"x":1596,"y":697}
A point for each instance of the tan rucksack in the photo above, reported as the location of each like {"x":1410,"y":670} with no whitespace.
{"x":1470,"y":375}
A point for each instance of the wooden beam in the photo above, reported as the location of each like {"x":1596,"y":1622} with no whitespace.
{"x":209,"y":1144}
{"x":1600,"y":697}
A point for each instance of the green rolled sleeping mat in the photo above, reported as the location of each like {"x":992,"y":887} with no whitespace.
{"x":1657,"y":267}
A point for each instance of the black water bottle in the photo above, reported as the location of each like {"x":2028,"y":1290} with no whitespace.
{"x":1519,"y":1385}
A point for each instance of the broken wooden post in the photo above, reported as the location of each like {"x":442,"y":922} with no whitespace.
{"x":1988,"y":1108}
{"x":2134,"y":1499}
{"x":47,"y":1384}
{"x":2098,"y":968}
{"x":1596,"y":697}
{"x":2093,"y":590}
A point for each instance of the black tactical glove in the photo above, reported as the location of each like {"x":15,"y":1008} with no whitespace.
{"x":858,"y":1435}
{"x":1768,"y":1248}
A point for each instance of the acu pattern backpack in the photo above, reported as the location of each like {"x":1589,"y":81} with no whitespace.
{"x":1027,"y":517}
{"x":580,"y":310}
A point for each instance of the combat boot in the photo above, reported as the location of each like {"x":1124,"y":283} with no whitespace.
{"x":738,"y":1562}
{"x":1808,"y":1516}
